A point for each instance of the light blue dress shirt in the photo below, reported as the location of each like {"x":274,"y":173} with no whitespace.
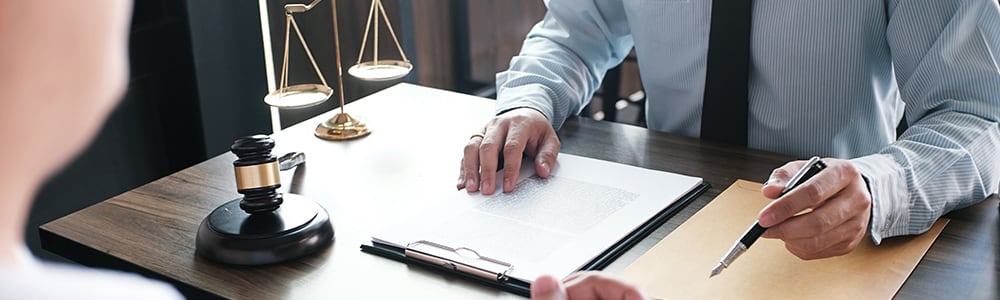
{"x":827,"y":78}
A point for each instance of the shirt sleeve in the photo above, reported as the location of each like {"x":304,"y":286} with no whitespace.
{"x":945,"y":58}
{"x":564,"y":58}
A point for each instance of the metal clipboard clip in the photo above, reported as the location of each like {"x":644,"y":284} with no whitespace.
{"x":459,"y":259}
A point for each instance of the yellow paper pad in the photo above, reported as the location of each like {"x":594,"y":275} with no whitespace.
{"x":679,"y":265}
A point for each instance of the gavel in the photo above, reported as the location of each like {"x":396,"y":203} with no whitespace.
{"x":264,"y":226}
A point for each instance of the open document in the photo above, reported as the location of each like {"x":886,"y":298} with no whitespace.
{"x":554,"y":225}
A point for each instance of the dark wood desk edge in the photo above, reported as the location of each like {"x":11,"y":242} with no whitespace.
{"x":976,"y":220}
{"x":745,"y":159}
{"x":91,"y":257}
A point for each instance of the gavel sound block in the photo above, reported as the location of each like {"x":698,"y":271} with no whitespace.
{"x":265,"y":226}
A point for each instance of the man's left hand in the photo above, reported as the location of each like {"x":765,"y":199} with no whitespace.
{"x":840,"y":203}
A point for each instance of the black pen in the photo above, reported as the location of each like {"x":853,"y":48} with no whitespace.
{"x":813,"y":166}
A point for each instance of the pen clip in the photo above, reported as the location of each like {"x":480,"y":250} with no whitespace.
{"x":811,"y":167}
{"x":459,"y":259}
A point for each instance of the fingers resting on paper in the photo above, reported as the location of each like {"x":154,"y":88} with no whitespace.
{"x":837,"y":206}
{"x":584,"y":285}
{"x":512,"y":135}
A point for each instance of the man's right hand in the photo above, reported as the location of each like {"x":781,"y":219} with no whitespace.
{"x":519,"y":132}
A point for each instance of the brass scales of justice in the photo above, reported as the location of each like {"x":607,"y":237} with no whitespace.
{"x":341,"y":126}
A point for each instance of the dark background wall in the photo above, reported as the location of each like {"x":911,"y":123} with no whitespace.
{"x":229,"y":65}
{"x":196,"y":82}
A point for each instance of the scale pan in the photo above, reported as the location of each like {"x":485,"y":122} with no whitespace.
{"x":298,"y":96}
{"x":383,"y":71}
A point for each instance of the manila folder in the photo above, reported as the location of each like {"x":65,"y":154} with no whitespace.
{"x":678,"y":267}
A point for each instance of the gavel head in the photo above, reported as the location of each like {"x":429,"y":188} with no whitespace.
{"x":257,"y":176}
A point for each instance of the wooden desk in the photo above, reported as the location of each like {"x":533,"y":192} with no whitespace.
{"x":411,"y":160}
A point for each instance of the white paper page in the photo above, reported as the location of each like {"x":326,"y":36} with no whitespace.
{"x":548,"y":226}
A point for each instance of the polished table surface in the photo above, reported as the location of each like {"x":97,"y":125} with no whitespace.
{"x":411,"y":161}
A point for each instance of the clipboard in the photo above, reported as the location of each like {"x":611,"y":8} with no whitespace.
{"x":480,"y":268}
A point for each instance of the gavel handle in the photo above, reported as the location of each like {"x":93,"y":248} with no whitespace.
{"x":291,"y":160}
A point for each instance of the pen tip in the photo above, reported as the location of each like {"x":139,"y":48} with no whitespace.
{"x":717,"y":270}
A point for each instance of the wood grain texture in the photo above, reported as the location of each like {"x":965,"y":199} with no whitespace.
{"x":410,"y":161}
{"x":435,"y":55}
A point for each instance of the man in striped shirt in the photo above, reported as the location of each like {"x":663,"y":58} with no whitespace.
{"x":850,"y":70}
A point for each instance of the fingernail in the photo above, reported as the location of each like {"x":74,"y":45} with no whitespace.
{"x":545,"y":166}
{"x":469,"y":183}
{"x":485,"y":186}
{"x":506,"y":183}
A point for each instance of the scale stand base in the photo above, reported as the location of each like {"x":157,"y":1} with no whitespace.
{"x":342,"y":127}
{"x":297,"y":228}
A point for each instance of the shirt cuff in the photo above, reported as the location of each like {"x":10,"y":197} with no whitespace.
{"x":516,"y":107}
{"x":510,"y":98}
{"x":889,"y":191}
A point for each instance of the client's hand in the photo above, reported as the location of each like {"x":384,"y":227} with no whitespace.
{"x":840,"y":203}
{"x":584,"y":285}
